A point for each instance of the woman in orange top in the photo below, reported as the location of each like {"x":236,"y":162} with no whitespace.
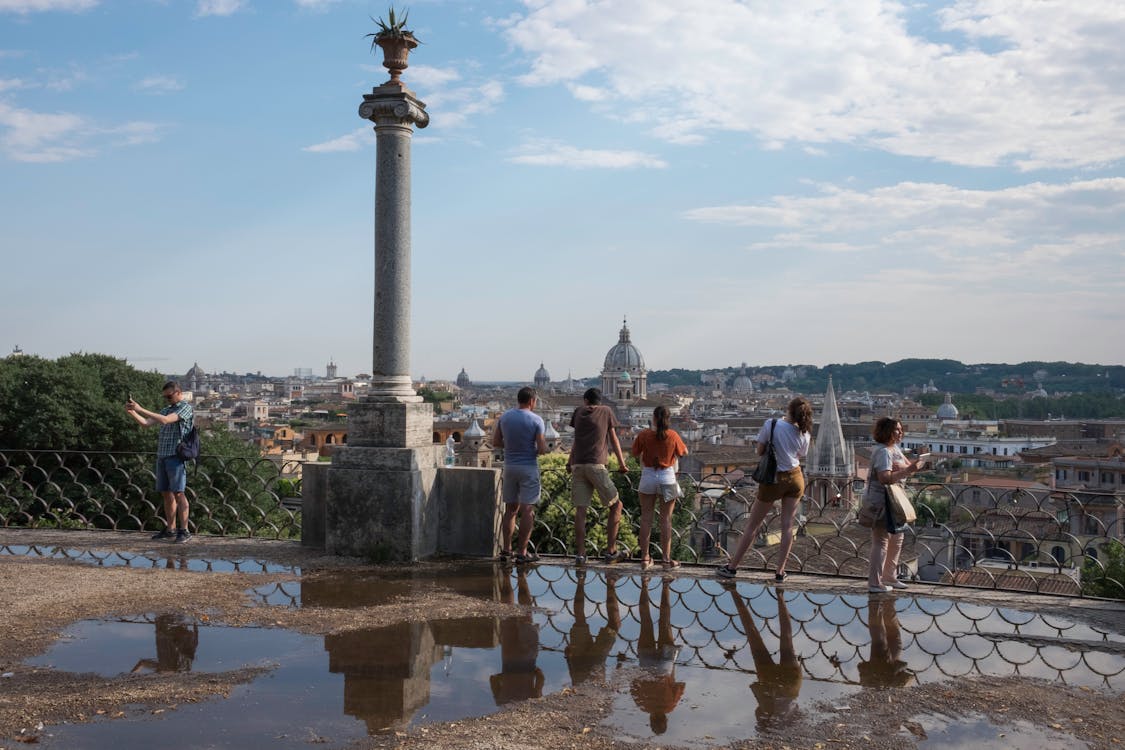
{"x":658,"y":448}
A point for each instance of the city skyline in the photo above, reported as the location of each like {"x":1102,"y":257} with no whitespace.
{"x":189,"y":181}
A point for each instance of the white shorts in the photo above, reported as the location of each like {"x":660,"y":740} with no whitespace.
{"x":660,"y":482}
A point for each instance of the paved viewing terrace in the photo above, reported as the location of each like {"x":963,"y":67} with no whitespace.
{"x":245,"y":638}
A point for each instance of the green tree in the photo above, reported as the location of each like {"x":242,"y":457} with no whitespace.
{"x":74,"y":458}
{"x":76,"y":402}
{"x":1106,"y":579}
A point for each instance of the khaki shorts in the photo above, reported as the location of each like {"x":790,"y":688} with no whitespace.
{"x":789,"y":484}
{"x":587,"y":479}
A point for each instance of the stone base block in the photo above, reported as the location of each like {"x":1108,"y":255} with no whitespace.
{"x":381,"y":504}
{"x":469,"y":520}
{"x":390,"y":425}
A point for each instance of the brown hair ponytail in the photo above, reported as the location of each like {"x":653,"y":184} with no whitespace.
{"x":661,"y":418}
{"x":800,"y":414}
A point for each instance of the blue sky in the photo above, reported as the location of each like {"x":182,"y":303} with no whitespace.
{"x":770,"y":182}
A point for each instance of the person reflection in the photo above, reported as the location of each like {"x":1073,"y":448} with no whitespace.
{"x":176,"y":641}
{"x":519,"y":678}
{"x":884,"y":668}
{"x":655,"y":689}
{"x":779,"y":683}
{"x":586,"y":655}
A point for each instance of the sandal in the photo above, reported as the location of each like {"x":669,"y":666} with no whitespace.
{"x":530,"y":557}
{"x":646,"y":563}
{"x":505,"y":555}
{"x":671,"y":564}
{"x":779,"y":577}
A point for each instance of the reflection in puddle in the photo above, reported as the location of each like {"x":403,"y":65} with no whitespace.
{"x":693,"y":654}
{"x":355,"y":589}
{"x":149,"y":559}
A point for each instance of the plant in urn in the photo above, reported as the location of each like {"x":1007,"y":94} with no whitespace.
{"x":396,"y":42}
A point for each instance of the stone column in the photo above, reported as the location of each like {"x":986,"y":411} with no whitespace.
{"x":381,"y":504}
{"x":395,"y":111}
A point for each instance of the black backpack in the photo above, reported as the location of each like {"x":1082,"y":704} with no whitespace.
{"x":188,"y":449}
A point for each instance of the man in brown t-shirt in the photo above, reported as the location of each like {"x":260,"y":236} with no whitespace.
{"x":594,"y":433}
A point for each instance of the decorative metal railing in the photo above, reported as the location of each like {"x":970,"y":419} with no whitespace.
{"x":1026,"y":538}
{"x":1034,"y":539}
{"x":95,"y":490}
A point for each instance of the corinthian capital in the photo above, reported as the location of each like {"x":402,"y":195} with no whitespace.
{"x":393,"y":105}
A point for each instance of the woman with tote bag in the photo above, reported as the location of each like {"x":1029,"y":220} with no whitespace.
{"x":888,"y":466}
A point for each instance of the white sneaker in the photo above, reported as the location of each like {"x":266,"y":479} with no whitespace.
{"x":879,"y":589}
{"x":899,"y":584}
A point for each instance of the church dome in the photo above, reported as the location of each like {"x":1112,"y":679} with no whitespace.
{"x":474,"y":430}
{"x":743,"y":383}
{"x":542,"y":377}
{"x":623,"y":356}
{"x":463,"y":379}
{"x":947,"y":410}
{"x":549,"y":432}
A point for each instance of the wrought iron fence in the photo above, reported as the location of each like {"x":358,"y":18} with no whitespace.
{"x":96,"y":490}
{"x":1018,"y":537}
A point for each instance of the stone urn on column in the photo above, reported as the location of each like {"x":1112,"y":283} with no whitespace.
{"x":395,"y":40}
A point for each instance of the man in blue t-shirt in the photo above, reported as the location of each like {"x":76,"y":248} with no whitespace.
{"x":520,"y":432}
{"x":175,"y":421}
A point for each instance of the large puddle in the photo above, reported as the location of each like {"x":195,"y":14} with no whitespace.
{"x":701,"y":662}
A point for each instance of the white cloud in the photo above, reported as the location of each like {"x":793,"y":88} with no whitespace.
{"x":41,"y":137}
{"x":452,"y":107}
{"x":219,"y":7}
{"x":427,"y":76}
{"x":549,"y":153}
{"x":363,"y":137}
{"x":1058,"y":236}
{"x":11,"y":84}
{"x":37,"y":6}
{"x":60,"y":81}
{"x":158,"y":85}
{"x":315,"y":4}
{"x":1032,"y":85}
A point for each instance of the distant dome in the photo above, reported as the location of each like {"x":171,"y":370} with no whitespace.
{"x":474,"y":431}
{"x":623,"y":356}
{"x":947,"y":410}
{"x":196,"y":372}
{"x":742,"y":383}
{"x":542,"y":377}
{"x":463,"y":379}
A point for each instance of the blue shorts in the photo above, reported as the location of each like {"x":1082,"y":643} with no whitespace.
{"x":521,"y":484}
{"x":171,"y":476}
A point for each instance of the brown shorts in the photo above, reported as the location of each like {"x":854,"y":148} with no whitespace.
{"x":789,"y":484}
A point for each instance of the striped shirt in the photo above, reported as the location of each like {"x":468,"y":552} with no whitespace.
{"x":171,"y":434}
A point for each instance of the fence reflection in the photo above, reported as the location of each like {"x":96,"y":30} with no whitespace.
{"x":679,"y":637}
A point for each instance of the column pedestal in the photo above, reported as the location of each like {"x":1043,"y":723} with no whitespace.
{"x":381,"y":500}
